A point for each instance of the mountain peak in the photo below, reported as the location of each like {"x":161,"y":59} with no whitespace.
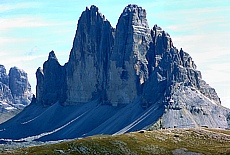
{"x":106,"y":65}
{"x":52,"y":56}
{"x":135,"y":68}
{"x":19,"y":86}
{"x":133,"y":8}
{"x":136,"y":15}
{"x":91,"y":14}
{"x":94,"y":8}
{"x":15,"y":90}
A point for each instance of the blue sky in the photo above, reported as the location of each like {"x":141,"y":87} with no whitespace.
{"x":29,"y":30}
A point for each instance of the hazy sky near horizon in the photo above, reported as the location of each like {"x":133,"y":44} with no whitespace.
{"x":29,"y":30}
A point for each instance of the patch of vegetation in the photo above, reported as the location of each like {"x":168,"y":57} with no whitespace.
{"x":219,"y":131}
{"x":166,"y":141}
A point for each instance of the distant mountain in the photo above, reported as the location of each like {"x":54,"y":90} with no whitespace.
{"x":15,"y":92}
{"x":117,"y":80}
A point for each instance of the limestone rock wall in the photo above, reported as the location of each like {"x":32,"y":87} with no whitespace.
{"x":128,"y":65}
{"x":5,"y":92}
{"x":15,"y":90}
{"x":51,"y":87}
{"x":116,"y":66}
{"x":87,"y":68}
{"x":19,"y":86}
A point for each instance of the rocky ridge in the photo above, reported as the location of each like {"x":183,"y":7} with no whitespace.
{"x":117,"y":80}
{"x":118,"y":66}
{"x":15,"y":90}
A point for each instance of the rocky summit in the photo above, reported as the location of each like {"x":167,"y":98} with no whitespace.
{"x":15,"y":91}
{"x":118,"y":80}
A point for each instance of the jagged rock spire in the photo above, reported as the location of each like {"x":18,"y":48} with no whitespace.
{"x":51,"y":82}
{"x":52,"y":56}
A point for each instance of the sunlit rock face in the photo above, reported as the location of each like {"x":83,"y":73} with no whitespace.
{"x":15,"y":90}
{"x":6,"y":98}
{"x":20,"y":86}
{"x":128,"y":64}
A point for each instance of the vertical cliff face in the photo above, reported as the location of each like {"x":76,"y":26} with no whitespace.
{"x":87,"y":66}
{"x":19,"y":86}
{"x":128,"y":65}
{"x":40,"y":85}
{"x":4,"y":78}
{"x":15,"y":90}
{"x":117,"y":66}
{"x":51,"y":87}
{"x":5,"y":92}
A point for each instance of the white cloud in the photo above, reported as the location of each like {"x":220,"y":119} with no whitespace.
{"x":14,"y":6}
{"x":216,"y":75}
{"x":3,"y":54}
{"x":9,"y":40}
{"x":203,"y":10}
{"x":20,"y":60}
{"x":11,"y":23}
{"x":204,"y":47}
{"x":196,"y":24}
{"x":22,"y":22}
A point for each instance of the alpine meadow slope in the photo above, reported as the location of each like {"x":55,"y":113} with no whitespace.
{"x":196,"y":141}
{"x":117,"y":80}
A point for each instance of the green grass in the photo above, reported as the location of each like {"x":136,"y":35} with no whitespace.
{"x":205,"y":141}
